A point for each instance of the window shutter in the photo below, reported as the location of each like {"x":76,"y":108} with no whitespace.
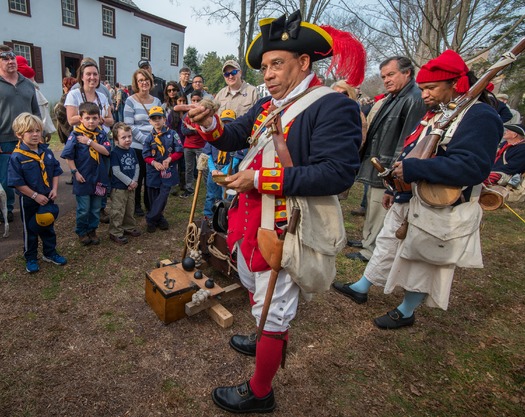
{"x":38,"y":64}
{"x":102,"y":68}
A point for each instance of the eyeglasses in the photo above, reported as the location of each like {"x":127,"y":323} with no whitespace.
{"x":171,"y":90}
{"x":8,"y":55}
{"x":276,"y":65}
{"x":232,"y":72}
{"x":142,"y":81}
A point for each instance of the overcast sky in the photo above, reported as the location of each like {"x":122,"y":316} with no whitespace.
{"x":204,"y":37}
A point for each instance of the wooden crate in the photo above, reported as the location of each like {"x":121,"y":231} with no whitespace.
{"x":169,"y":303}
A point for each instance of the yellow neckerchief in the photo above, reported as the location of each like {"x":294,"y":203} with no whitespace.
{"x":39,"y":159}
{"x":156,"y":139}
{"x":221,"y":157}
{"x":91,"y":134}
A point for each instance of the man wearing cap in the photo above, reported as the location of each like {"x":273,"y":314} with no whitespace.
{"x":17,"y":95}
{"x":238,"y":95}
{"x":159,"y":84}
{"x":510,"y":159}
{"x":321,"y":159}
{"x":420,"y":263}
{"x":503,"y":106}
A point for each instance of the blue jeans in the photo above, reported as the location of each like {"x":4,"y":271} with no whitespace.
{"x":158,"y":198}
{"x":7,"y":147}
{"x":214,"y":192}
{"x":88,"y":213}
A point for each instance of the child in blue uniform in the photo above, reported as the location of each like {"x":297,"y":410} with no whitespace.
{"x":219,"y":162}
{"x":162,"y":148}
{"x":34,"y":171}
{"x":125,"y":170}
{"x":83,"y":151}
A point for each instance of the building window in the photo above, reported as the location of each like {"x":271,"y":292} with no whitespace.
{"x":70,"y":13}
{"x":175,"y":54}
{"x":110,"y":65}
{"x":20,"y":6}
{"x":24,"y":50}
{"x":145,"y":47}
{"x":108,"y":21}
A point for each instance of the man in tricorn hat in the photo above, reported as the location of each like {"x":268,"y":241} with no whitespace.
{"x":322,"y":141}
{"x":438,"y":238}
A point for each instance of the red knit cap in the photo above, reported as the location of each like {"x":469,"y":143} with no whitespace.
{"x":24,"y":68}
{"x":447,"y":66}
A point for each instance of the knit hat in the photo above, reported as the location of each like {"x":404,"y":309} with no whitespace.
{"x":447,"y":66}
{"x":24,"y":68}
{"x":519,"y":129}
{"x":156,"y":111}
{"x":319,"y":42}
{"x":228,"y":115}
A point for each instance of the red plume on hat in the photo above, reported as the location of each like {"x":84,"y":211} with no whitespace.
{"x":447,"y":66}
{"x":348,"y":56}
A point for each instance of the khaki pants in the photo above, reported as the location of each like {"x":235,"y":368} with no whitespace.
{"x":374,"y":218}
{"x":121,"y":212}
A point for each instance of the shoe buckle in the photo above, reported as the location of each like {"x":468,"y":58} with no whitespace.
{"x":394,"y":315}
{"x":242,"y":389}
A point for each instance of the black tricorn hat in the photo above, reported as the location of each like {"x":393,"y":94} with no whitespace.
{"x":319,"y":42}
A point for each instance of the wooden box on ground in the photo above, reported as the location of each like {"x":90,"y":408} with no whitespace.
{"x":169,"y":303}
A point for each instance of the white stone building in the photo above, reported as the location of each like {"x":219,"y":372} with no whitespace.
{"x":54,"y":36}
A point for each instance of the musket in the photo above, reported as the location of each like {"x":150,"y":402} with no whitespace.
{"x":440,"y":195}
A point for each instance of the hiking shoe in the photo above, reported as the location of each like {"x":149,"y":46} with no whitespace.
{"x":56,"y":259}
{"x":104,"y":216}
{"x":394,"y":320}
{"x":121,"y":240}
{"x":151,"y":228}
{"x":163,"y":224}
{"x":32,"y":266}
{"x":94,"y":238}
{"x":85,"y":240}
{"x":133,"y":232}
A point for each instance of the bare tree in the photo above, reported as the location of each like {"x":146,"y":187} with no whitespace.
{"x":422,"y":29}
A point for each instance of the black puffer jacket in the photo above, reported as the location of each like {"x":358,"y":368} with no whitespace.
{"x":395,"y":120}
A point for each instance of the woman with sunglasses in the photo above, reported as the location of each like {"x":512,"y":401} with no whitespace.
{"x":136,"y":115}
{"x":175,"y":97}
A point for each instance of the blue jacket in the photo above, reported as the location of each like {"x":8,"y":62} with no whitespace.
{"x":172,"y":144}
{"x":24,"y":170}
{"x":92,"y":171}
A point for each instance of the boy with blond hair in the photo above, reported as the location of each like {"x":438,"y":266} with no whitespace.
{"x":33,"y":171}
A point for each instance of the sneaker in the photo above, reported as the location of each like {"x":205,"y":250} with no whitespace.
{"x":32,"y":266}
{"x":56,"y":259}
{"x":85,"y":240}
{"x":151,"y":228}
{"x":133,"y":232}
{"x":104,"y":216}
{"x":139,"y":212}
{"x":163,"y":224}
{"x":121,"y":240}
{"x":94,"y":238}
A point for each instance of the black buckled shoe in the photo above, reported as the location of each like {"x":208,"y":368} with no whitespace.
{"x":244,"y":344}
{"x":240,"y":399}
{"x":394,"y":320}
{"x":356,"y":256}
{"x":357,"y":297}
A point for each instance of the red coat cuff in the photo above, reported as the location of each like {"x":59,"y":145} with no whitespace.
{"x":215,"y":133}
{"x":271,"y":181}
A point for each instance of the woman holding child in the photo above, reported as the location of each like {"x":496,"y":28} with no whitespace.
{"x":136,"y":115}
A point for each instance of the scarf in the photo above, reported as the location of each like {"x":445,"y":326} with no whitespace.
{"x":39,"y":159}
{"x":91,"y":134}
